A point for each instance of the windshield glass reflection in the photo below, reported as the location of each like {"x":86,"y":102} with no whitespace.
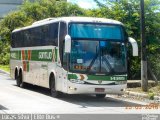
{"x":98,"y":57}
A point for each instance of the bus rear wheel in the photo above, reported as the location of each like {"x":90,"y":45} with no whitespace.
{"x":100,"y":95}
{"x":54,"y":92}
{"x":19,"y":80}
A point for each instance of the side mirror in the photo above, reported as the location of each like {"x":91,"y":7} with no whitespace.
{"x":134,"y":46}
{"x":67,"y":44}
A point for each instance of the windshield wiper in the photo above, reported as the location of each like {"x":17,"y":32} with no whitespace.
{"x":106,"y":61}
{"x":92,"y":62}
{"x":108,"y":64}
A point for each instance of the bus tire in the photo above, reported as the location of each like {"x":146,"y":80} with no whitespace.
{"x":19,"y":80}
{"x":100,"y":95}
{"x":16,"y":74}
{"x":54,"y":92}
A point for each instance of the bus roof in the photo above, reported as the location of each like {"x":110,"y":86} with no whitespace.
{"x":69,"y":19}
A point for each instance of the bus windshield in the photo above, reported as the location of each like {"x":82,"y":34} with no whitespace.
{"x":98,"y":57}
{"x":99,"y":52}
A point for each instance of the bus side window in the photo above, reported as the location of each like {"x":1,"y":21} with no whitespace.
{"x":42,"y":32}
{"x":53,"y":34}
{"x":19,"y":39}
{"x":26,"y":38}
{"x":34,"y":37}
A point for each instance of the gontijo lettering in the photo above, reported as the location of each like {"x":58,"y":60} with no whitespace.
{"x":45,"y":55}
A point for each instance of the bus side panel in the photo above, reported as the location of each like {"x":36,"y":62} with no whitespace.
{"x":12,"y":69}
{"x":33,"y":74}
{"x":61,"y":79}
{"x":13,"y":65}
{"x":44,"y":81}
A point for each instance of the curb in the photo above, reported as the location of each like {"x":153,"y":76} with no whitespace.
{"x":143,"y":95}
{"x":137,"y":83}
{"x":2,"y":71}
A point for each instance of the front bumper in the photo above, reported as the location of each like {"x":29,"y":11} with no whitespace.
{"x":74,"y":88}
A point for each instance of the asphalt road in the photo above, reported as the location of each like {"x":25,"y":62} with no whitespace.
{"x":34,"y":99}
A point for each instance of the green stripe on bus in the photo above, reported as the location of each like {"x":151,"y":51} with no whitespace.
{"x":19,"y":55}
{"x":100,"y":77}
{"x":56,"y":55}
{"x":36,"y":55}
{"x":72,"y":76}
{"x":15,"y":55}
{"x":109,"y":78}
{"x":41,"y":55}
{"x":27,"y":66}
{"x":26,"y":54}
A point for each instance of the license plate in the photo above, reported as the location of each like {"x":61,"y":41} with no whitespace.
{"x":99,"y":89}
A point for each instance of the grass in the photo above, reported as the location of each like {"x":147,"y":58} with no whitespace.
{"x":5,"y":68}
{"x":155,"y":90}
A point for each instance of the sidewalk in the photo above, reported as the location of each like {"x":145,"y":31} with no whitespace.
{"x":4,"y":72}
{"x":142,"y":95}
{"x":137,"y":83}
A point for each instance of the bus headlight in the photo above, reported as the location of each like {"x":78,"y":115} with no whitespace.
{"x":77,"y":81}
{"x":120,"y":82}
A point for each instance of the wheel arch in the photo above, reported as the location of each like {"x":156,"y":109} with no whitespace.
{"x":52,"y":74}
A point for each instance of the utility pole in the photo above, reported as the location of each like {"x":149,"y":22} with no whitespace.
{"x":144,"y":82}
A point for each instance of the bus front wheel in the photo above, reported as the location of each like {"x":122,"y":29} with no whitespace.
{"x":100,"y":95}
{"x":19,"y":80}
{"x":54,"y":92}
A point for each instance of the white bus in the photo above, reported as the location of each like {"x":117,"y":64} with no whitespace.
{"x":73,"y":55}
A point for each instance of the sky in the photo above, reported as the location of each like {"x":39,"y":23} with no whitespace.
{"x":85,"y":3}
